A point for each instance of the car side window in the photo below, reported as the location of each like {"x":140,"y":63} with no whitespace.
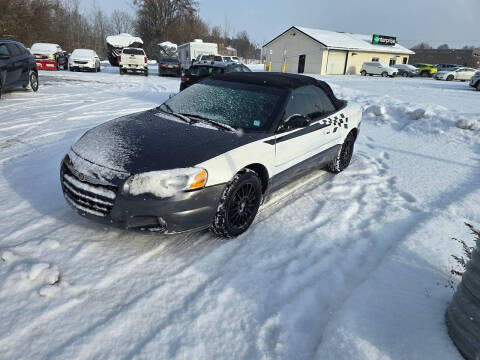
{"x":13,"y":50}
{"x":309,"y":101}
{"x":22,"y":50}
{"x":4,"y":50}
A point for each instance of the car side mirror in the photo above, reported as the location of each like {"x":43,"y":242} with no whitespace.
{"x":296,"y":121}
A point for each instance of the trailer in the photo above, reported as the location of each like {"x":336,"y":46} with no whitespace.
{"x":188,"y":52}
{"x":116,"y":43}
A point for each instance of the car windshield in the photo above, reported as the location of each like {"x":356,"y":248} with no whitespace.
{"x":245,"y":106}
{"x":83,"y":53}
{"x":205,"y":70}
{"x":133,"y":51}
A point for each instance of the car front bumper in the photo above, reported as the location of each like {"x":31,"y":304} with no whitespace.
{"x":186,"y":211}
{"x":46,"y":64}
{"x":474,"y":81}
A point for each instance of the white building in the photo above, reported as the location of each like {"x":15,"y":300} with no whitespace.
{"x":328,"y":52}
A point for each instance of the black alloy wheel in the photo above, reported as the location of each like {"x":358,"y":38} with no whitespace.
{"x":344,"y":156}
{"x":238,"y":205}
{"x":33,"y":81}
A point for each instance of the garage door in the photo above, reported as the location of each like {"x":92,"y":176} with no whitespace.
{"x":336,"y":62}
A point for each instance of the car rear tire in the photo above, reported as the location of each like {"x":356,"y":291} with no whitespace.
{"x":384,"y":74}
{"x":405,"y":74}
{"x":122,"y":72}
{"x":1,"y":88}
{"x":344,"y":156}
{"x":363,"y":73}
{"x":238,"y":205}
{"x":450,"y":77}
{"x":32,"y":81}
{"x":145,"y":73}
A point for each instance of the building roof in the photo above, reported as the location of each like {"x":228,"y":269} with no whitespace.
{"x":347,"y":41}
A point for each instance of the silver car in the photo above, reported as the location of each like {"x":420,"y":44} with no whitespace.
{"x":475,"y":80}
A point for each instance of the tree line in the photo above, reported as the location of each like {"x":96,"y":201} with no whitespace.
{"x":425,"y":45}
{"x":65,"y":23}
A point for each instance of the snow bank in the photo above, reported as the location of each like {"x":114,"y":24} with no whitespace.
{"x":470,"y":124}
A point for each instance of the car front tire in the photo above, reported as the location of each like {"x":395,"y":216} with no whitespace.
{"x":344,"y":156}
{"x":32,"y":81}
{"x":449,"y":77}
{"x":363,"y":73}
{"x":238,"y":206}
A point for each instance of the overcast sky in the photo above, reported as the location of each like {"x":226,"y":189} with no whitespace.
{"x":412,"y":21}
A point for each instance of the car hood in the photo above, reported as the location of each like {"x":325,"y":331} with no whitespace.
{"x":153,"y":140}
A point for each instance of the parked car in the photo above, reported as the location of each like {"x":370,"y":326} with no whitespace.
{"x":169,"y":66}
{"x":49,"y":56}
{"x":459,"y":73}
{"x":378,"y":68}
{"x":234,"y":59}
{"x":406,"y":70}
{"x":208,"y":57}
{"x":426,"y":70}
{"x":442,"y":67}
{"x":17,"y":67}
{"x":84,"y":59}
{"x":208,"y":156}
{"x":475,"y":80}
{"x":133,"y":59}
{"x":200,"y":71}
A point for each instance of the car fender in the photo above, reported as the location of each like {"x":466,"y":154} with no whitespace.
{"x":222,"y":168}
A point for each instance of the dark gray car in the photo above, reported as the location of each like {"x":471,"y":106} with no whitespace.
{"x":17,"y":67}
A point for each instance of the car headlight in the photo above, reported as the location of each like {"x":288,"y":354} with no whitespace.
{"x":166,"y":183}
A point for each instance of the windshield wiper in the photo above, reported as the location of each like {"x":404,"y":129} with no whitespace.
{"x":217,"y":124}
{"x":178,"y":115}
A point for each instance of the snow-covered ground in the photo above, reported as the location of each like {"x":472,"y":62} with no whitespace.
{"x":353,"y":266}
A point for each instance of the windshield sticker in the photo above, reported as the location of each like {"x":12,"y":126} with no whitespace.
{"x":257,"y":123}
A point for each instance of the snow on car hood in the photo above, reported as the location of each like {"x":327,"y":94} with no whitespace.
{"x":148,"y":141}
{"x":44,"y":48}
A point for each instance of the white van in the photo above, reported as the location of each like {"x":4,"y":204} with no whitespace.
{"x":378,"y":68}
{"x":188,"y":52}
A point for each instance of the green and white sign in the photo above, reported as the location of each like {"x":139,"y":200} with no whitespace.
{"x":384,"y":40}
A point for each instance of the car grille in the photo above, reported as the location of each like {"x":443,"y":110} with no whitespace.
{"x":80,"y":62}
{"x":87,"y":197}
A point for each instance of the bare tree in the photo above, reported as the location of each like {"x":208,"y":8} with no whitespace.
{"x":422,"y":45}
{"x":443,"y":47}
{"x":122,"y":22}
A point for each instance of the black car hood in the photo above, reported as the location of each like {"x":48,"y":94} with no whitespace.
{"x":153,"y":140}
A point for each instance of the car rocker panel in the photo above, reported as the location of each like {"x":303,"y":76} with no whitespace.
{"x":98,"y":188}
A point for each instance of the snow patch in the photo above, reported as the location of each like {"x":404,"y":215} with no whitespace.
{"x":376,"y":110}
{"x":468,"y":124}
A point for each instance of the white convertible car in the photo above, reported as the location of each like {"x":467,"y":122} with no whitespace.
{"x":207,"y":157}
{"x":456,"y":73}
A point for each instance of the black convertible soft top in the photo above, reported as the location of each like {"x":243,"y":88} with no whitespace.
{"x":280,"y":80}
